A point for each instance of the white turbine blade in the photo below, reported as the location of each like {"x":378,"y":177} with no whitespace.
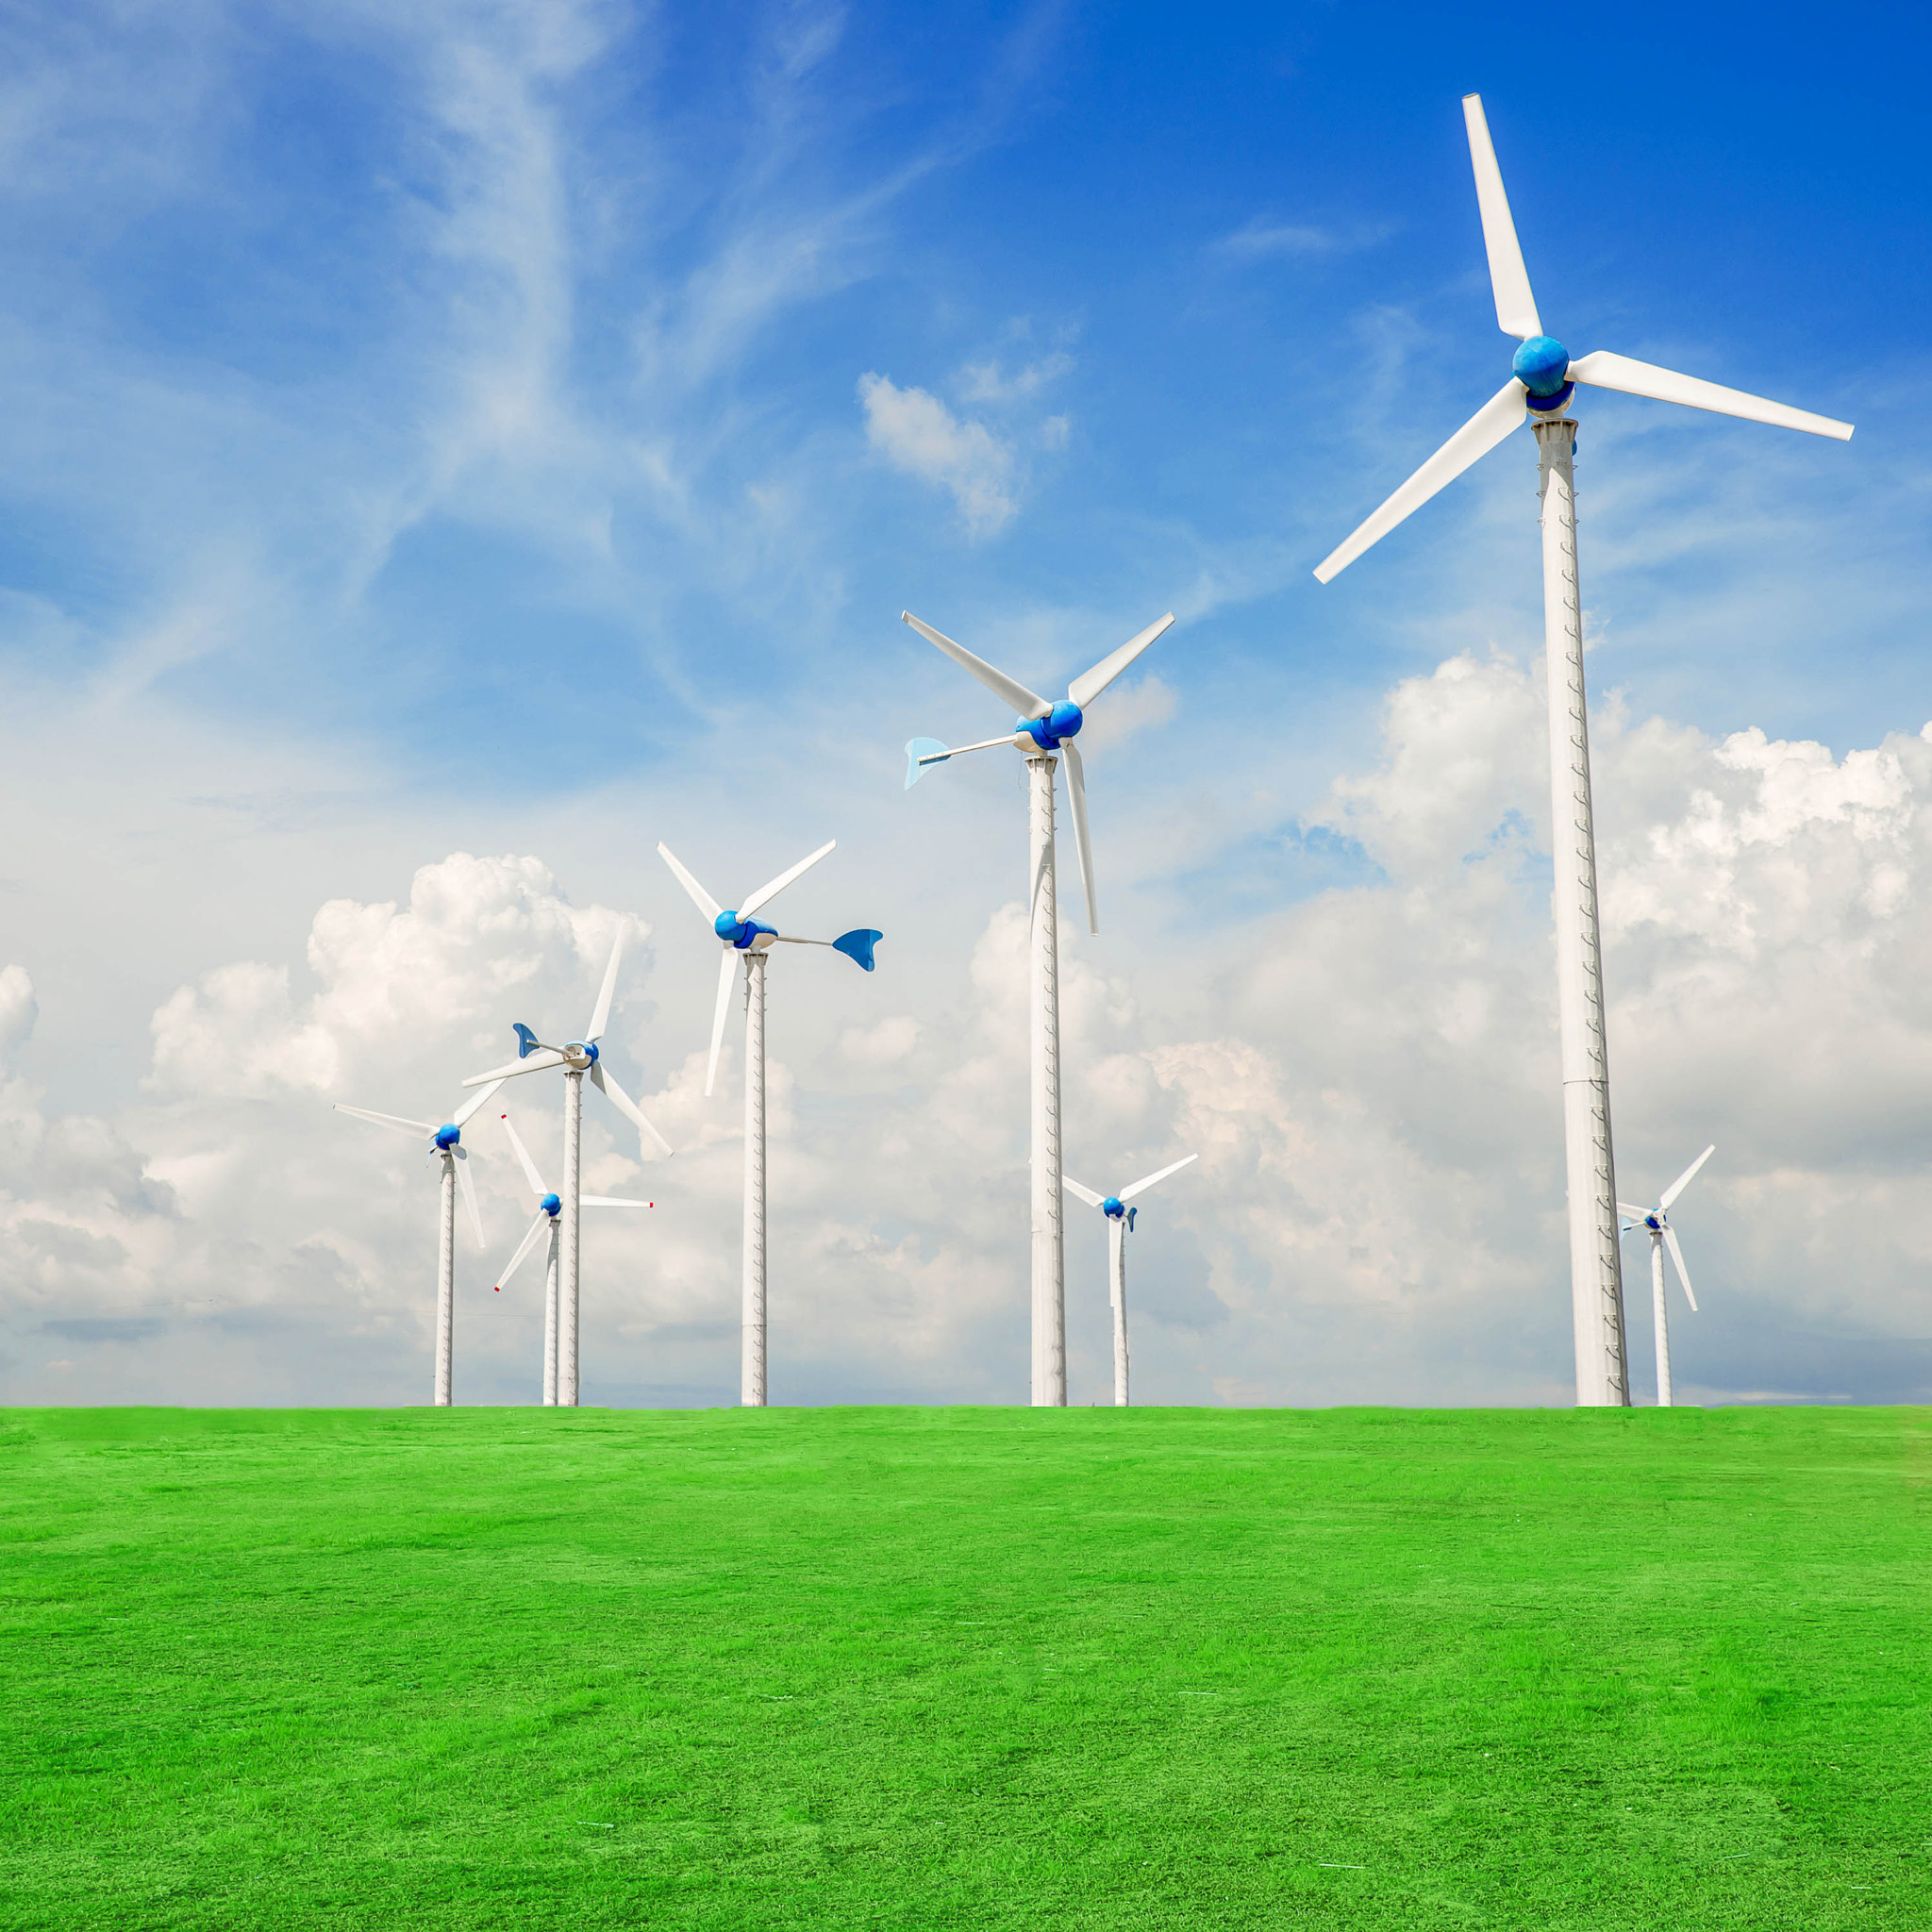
{"x":524,"y":1247}
{"x":545,"y":1057}
{"x":772,"y":888}
{"x":1083,"y":845}
{"x":1509,"y":279}
{"x":699,"y":897}
{"x":607,"y":1085}
{"x":1684,"y":1179}
{"x":1089,"y":684}
{"x":1086,"y":1194}
{"x":462,"y":1161}
{"x":1602,"y":370}
{"x":1140,"y":1186}
{"x":601,"y":1018}
{"x":1476,"y":437}
{"x":608,"y":1201}
{"x":1683,"y":1272}
{"x":1634,"y":1213}
{"x":387,"y":1120}
{"x":460,"y":1118}
{"x":1029,"y":704}
{"x":522,"y":1154}
{"x":727,"y":966}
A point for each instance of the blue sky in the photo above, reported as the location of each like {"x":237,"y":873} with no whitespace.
{"x":518,"y":428}
{"x":267,"y":271}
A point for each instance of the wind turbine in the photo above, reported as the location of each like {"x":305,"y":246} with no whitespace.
{"x":1120,"y":1223}
{"x":444,"y":1143}
{"x":577,"y":1057}
{"x":1043,"y":733}
{"x":744,"y":938}
{"x":1542,"y":380}
{"x":549,"y":1214}
{"x":1655,"y":1222}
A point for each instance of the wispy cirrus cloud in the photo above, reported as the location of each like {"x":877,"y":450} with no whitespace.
{"x":1262,"y":238}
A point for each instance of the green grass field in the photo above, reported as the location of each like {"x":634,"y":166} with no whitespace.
{"x":975,"y":1668}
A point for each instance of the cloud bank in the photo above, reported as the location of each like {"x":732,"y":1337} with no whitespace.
{"x":1370,"y":1080}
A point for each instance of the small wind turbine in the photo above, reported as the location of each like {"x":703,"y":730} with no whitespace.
{"x":549,"y":1213}
{"x":1542,"y":380}
{"x":577,"y":1057}
{"x":444,"y":1144}
{"x":1656,"y":1223}
{"x":744,"y":938}
{"x":1120,"y":1223}
{"x":1043,"y":732}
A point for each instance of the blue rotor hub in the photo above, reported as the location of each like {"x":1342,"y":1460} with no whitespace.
{"x":1542,"y":365}
{"x":1112,"y":1208}
{"x":447,"y":1136}
{"x":727,"y":927}
{"x":552,"y":1204}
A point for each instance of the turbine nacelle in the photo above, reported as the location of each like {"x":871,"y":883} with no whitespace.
{"x":747,"y":935}
{"x":1063,"y":720}
{"x":1542,"y":365}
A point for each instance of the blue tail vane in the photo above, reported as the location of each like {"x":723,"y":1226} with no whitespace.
{"x":527,"y":1041}
{"x":857,"y":945}
{"x":1131,"y":1212}
{"x":921,"y":748}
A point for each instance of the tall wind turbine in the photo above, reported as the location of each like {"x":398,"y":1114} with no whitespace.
{"x":1655,"y":1222}
{"x":1120,"y":1224}
{"x":1043,"y":734}
{"x":1542,"y":380}
{"x":745,"y":938}
{"x":577,"y":1057}
{"x":444,"y":1144}
{"x":549,"y":1215}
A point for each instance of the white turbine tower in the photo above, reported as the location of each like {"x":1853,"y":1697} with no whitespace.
{"x":744,"y":938}
{"x":1043,"y":732}
{"x":577,"y":1057}
{"x":1543,"y":379}
{"x":549,"y":1217}
{"x":444,"y":1144}
{"x":1655,"y":1222}
{"x":1120,"y":1223}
